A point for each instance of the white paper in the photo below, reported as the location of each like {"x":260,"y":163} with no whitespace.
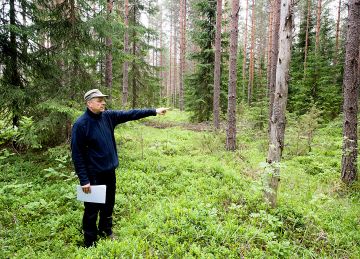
{"x":97,"y":195}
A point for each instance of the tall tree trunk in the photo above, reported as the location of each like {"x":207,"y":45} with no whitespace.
{"x":252,"y":49}
{"x":318,"y":25}
{"x":217,"y":75}
{"x":231,"y":127}
{"x":244,"y":49}
{"x":307,"y":35}
{"x":274,"y":54}
{"x":277,"y":120}
{"x":351,"y":93}
{"x":125,"y":91}
{"x":108,"y":58}
{"x":337,"y":35}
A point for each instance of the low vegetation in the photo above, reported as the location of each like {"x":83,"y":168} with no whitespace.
{"x":180,"y":194}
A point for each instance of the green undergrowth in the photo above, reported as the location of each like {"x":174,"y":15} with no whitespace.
{"x":180,"y":194}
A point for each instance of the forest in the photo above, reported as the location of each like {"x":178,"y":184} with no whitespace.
{"x":256,"y":158}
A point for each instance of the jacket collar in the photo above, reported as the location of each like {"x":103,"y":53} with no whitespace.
{"x":93,"y":115}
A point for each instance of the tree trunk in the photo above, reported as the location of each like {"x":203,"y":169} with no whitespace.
{"x":318,"y":25}
{"x":351,"y":93}
{"x":307,"y":35}
{"x":274,"y":54}
{"x":244,"y":49}
{"x":108,"y":58}
{"x":217,"y":75}
{"x":277,"y":120}
{"x":125,"y":91}
{"x":270,"y":29}
{"x":231,"y":127}
{"x":252,"y":49}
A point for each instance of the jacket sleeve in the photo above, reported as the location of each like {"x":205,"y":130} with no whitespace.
{"x":78,"y":148}
{"x":118,"y":116}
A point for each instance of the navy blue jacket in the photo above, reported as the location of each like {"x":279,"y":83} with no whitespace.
{"x":93,"y":142}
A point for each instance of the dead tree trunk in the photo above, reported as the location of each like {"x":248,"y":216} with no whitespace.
{"x":217,"y":75}
{"x":231,"y":127}
{"x":351,"y":93}
{"x":277,"y":120}
{"x":274,"y":54}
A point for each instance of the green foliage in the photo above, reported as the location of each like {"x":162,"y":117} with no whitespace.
{"x":320,"y":83}
{"x":27,"y":133}
{"x":179,"y":197}
{"x":200,"y":83}
{"x":302,"y":131}
{"x":7,"y":132}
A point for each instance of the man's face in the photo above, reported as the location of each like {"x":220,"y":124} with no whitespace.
{"x":97,"y":104}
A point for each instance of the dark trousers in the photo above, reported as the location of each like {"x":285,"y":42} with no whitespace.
{"x":91,"y":231}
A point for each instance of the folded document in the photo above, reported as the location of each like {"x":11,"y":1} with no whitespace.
{"x":97,"y":195}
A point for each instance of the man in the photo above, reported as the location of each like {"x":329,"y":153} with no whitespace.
{"x":95,"y":158}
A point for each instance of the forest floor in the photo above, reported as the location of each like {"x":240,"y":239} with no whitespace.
{"x":181,"y":194}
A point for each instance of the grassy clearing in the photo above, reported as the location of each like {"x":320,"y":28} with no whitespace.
{"x":180,"y":194}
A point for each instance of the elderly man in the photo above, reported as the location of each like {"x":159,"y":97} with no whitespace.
{"x":95,"y":158}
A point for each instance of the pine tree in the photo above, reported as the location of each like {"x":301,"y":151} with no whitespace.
{"x":231,"y":123}
{"x":351,"y":93}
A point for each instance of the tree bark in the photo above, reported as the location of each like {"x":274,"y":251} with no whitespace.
{"x":274,"y":54}
{"x":231,"y":127}
{"x":351,"y":93}
{"x":277,"y":120}
{"x":217,"y":75}
{"x":125,"y":90}
{"x":318,"y":26}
